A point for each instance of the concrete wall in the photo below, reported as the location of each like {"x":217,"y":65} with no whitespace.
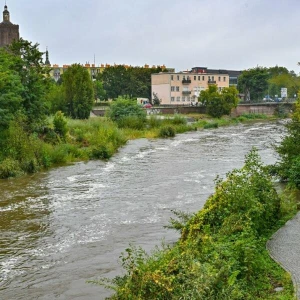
{"x":265,"y":108}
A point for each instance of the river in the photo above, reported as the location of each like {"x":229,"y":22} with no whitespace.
{"x":69,"y":225}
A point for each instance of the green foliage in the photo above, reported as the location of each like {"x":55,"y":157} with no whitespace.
{"x":166,"y":132}
{"x":134,"y":81}
{"x":219,"y":103}
{"x":79,"y":92}
{"x":221,"y":253}
{"x":253,"y":83}
{"x":289,"y":150}
{"x":127,"y":113}
{"x":60,"y":124}
{"x":56,"y":98}
{"x":9,"y":168}
{"x":35,"y":79}
{"x":154,"y":122}
{"x":99,"y":91}
{"x":179,"y":120}
{"x":211,"y":125}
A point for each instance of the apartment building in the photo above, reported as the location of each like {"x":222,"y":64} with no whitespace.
{"x":184,"y":88}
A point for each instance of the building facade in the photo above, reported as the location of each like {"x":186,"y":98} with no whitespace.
{"x":8,"y":31}
{"x":184,"y":88}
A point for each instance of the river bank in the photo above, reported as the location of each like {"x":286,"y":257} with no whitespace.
{"x":70,"y":224}
{"x":96,"y":138}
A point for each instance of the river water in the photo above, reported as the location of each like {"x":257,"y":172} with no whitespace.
{"x":69,"y":225}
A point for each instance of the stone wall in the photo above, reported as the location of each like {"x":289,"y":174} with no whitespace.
{"x":265,"y":108}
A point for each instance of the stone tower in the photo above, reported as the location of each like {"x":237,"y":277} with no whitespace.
{"x":8,"y":31}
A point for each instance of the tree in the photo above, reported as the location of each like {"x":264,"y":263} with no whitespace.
{"x":127,"y":81}
{"x":79,"y":92}
{"x":253,"y":83}
{"x":99,"y":91}
{"x":35,"y":79}
{"x":219,"y":103}
{"x":10,"y":90}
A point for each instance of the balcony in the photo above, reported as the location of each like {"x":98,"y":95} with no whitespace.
{"x":186,"y":92}
{"x":186,"y":81}
{"x":211,"y":82}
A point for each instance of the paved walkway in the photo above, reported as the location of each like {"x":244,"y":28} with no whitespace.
{"x":284,"y":247}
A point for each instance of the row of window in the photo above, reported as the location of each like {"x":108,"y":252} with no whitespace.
{"x":209,"y":78}
{"x":183,"y":99}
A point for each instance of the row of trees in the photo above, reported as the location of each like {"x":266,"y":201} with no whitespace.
{"x":118,"y":81}
{"x":258,"y":82}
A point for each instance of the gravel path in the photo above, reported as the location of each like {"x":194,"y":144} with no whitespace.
{"x":284,"y":247}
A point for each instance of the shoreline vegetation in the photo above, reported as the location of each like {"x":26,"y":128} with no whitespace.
{"x":221,"y":252}
{"x":64,"y":141}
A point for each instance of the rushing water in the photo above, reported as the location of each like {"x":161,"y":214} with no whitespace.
{"x":69,"y":225}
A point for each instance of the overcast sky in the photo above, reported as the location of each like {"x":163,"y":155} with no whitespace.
{"x":220,"y":34}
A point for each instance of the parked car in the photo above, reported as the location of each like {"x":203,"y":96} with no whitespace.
{"x":268,"y":99}
{"x":147,"y":105}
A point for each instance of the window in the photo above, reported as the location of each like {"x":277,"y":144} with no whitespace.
{"x":188,"y":99}
{"x":213,"y":78}
{"x":172,"y":77}
{"x":195,"y":77}
{"x":178,"y":99}
{"x":224,"y":78}
{"x":208,"y":78}
{"x":219,"y":78}
{"x":177,"y":77}
{"x":199,"y":78}
{"x":172,"y":99}
{"x":183,"y":99}
{"x":203,"y":78}
{"x":183,"y":77}
{"x":172,"y":88}
{"x":177,"y":88}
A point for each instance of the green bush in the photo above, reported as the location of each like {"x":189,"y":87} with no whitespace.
{"x":101,"y":152}
{"x":9,"y":168}
{"x":123,"y":108}
{"x":211,"y":125}
{"x":166,"y":132}
{"x":60,"y":124}
{"x":133,"y":122}
{"x":154,"y":122}
{"x":178,"y":120}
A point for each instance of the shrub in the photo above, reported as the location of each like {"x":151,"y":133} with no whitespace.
{"x":9,"y":168}
{"x":178,"y":120}
{"x":60,"y":124}
{"x":166,"y":132}
{"x":154,"y":122}
{"x":124,"y":108}
{"x":133,"y":122}
{"x":211,"y":125}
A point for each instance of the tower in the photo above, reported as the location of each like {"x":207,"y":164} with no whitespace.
{"x":47,"y":61}
{"x":8,"y":31}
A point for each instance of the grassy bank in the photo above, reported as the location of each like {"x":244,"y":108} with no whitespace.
{"x":221,"y":253}
{"x":96,"y":138}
